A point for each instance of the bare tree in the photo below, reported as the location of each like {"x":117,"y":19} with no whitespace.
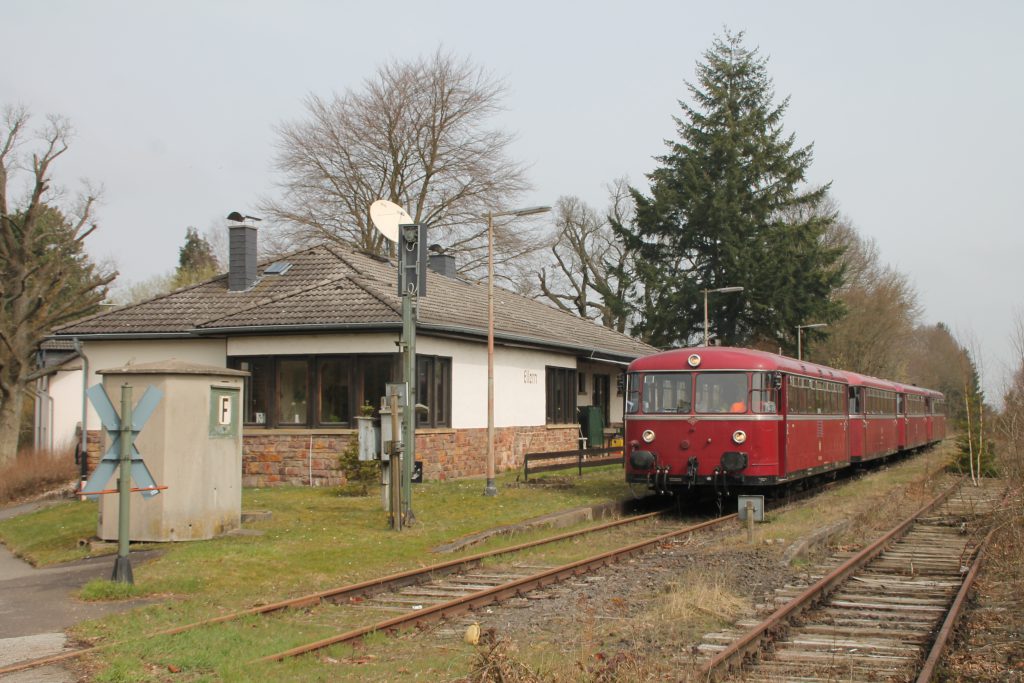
{"x":582,"y":273}
{"x":47,"y":278}
{"x":881,"y":305}
{"x":416,"y":134}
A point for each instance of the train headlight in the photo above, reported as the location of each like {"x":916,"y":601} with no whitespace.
{"x":648,"y":435}
{"x":693,"y":360}
{"x":739,"y":437}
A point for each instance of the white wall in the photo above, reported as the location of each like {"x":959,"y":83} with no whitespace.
{"x":376,"y":342}
{"x":66,"y":391}
{"x":105,"y":355}
{"x":615,"y":399}
{"x":519,"y":398}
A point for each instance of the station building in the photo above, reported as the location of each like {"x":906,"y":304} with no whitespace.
{"x":318,"y":333}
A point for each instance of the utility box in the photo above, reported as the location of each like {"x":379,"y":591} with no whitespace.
{"x":192,"y":444}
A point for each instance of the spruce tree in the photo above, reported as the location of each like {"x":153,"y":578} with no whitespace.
{"x":196,"y":261}
{"x":729,"y":207}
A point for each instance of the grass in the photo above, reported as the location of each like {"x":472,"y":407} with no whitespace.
{"x":315,"y":539}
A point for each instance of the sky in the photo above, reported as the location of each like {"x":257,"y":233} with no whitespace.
{"x":914,"y":110}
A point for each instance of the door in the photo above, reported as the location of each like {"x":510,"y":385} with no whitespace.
{"x":602,"y":384}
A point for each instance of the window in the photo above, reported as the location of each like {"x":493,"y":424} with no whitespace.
{"x":560,"y":390}
{"x":258,"y":388}
{"x":433,"y":389}
{"x":721,"y":392}
{"x":632,"y":393}
{"x":334,"y":377}
{"x":313,"y":391}
{"x":292,"y":391}
{"x":806,"y":396}
{"x":667,"y":392}
{"x":763,"y":394}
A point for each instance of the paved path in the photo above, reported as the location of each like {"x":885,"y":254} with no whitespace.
{"x":37,"y":605}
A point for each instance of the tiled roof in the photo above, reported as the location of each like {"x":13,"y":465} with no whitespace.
{"x":335,"y":288}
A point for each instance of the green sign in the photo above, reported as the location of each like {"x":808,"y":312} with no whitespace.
{"x":224,"y":410}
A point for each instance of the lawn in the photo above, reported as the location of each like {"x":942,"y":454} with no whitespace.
{"x":313,"y":540}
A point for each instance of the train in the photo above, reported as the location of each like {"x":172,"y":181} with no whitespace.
{"x":731,"y":420}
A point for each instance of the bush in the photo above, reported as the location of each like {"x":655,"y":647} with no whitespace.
{"x":360,"y":475}
{"x":34,"y":472}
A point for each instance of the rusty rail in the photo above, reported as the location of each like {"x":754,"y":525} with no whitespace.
{"x":751,"y":642}
{"x":488,"y":596}
{"x":955,"y":612}
{"x":395,"y":580}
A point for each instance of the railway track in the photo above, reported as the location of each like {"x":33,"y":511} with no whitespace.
{"x":457,"y":579}
{"x":446,"y":598}
{"x":871,"y":616}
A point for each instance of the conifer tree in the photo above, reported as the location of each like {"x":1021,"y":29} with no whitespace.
{"x":196,"y":261}
{"x":729,"y":207}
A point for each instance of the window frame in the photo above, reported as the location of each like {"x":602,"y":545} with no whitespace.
{"x":356,"y":387}
{"x":560,"y":410}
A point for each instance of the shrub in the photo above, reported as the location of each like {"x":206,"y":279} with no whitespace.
{"x":34,"y":472}
{"x":360,"y":475}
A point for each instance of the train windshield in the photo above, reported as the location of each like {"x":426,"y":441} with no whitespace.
{"x":662,"y":392}
{"x":721,"y":392}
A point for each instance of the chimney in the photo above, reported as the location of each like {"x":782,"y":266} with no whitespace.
{"x":241,"y":252}
{"x":440,"y":261}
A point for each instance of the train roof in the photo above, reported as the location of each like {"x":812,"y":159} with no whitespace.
{"x":732,"y":358}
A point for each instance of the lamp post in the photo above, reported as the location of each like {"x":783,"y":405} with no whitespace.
{"x":720,"y":290}
{"x":491,"y":488}
{"x":799,"y":332}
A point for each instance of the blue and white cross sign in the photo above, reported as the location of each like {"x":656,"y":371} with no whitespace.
{"x":112,"y":423}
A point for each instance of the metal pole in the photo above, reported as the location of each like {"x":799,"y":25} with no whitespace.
{"x":123,"y":566}
{"x":491,"y":488}
{"x":799,"y":346}
{"x":409,"y":414}
{"x":750,"y":522}
{"x":705,"y":317}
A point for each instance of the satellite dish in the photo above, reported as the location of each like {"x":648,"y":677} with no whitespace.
{"x":387,"y":216}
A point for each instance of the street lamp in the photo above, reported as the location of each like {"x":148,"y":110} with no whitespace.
{"x":720,"y":290}
{"x":491,"y":488}
{"x":799,"y":332}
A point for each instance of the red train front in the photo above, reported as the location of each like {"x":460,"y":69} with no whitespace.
{"x":725,"y":417}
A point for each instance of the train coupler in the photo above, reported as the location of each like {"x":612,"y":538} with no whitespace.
{"x":691,"y":472}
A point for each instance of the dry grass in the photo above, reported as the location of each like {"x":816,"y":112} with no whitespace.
{"x":34,"y":472}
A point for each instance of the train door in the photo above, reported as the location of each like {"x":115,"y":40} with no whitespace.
{"x":901,"y":421}
{"x":859,"y":447}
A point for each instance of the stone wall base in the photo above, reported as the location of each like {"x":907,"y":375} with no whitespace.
{"x":273,"y":458}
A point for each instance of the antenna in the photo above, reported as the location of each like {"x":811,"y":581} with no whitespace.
{"x":387,"y":216}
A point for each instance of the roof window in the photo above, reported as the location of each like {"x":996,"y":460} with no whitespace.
{"x":277,"y":268}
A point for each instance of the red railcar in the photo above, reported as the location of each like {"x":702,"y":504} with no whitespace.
{"x":721,"y":417}
{"x":874,"y":425}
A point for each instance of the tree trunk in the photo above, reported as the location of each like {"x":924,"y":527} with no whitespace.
{"x":10,"y":425}
{"x":970,"y":437}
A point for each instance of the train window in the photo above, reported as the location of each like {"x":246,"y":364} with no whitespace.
{"x":856,"y":396}
{"x":667,"y":392}
{"x":721,"y":392}
{"x":632,"y":393}
{"x":763,"y":393}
